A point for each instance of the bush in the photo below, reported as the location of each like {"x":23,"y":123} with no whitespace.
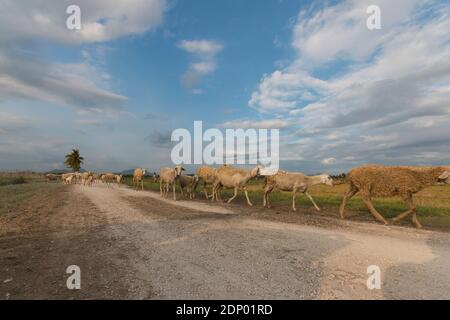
{"x":8,"y":181}
{"x":19,"y":180}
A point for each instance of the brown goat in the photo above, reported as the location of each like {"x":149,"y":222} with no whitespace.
{"x":383,"y":181}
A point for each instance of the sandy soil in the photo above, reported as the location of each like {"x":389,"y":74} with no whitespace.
{"x":136,"y":245}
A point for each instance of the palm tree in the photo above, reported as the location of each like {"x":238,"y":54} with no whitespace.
{"x":74,"y":160}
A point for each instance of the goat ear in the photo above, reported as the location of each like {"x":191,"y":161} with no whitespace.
{"x":445,"y":175}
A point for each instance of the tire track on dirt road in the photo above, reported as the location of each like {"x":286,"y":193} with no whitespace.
{"x":195,"y":250}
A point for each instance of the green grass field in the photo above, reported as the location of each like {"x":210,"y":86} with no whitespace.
{"x":433,"y":203}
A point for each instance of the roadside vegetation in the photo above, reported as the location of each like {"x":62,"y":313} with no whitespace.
{"x":17,"y":188}
{"x":9,"y":181}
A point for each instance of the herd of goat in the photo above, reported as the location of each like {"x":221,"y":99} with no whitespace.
{"x":369,"y":180}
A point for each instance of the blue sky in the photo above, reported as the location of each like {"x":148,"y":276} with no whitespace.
{"x":341,"y":94}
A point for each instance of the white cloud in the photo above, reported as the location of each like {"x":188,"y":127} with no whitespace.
{"x":254,"y":124}
{"x":386,"y":93}
{"x":79,"y":86}
{"x":10,"y":122}
{"x":283,"y":89}
{"x":203,"y":53}
{"x":340,"y":31}
{"x":204,"y":67}
{"x":328,"y":161}
{"x":84,"y":86}
{"x":28,"y":77}
{"x":102,"y":20}
{"x":201,"y":47}
{"x":338,"y":34}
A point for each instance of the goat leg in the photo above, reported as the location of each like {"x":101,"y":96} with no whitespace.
{"x":312,"y":200}
{"x":234,"y":196}
{"x":246,"y":195}
{"x":373,"y":211}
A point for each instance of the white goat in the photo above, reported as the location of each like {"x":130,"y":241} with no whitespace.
{"x":85,"y":178}
{"x":237,"y":179}
{"x":295,"y":182}
{"x":168,"y":177}
{"x":108,"y":178}
{"x":119,"y":179}
{"x":52,"y":177}
{"x":207,"y":175}
{"x":138,"y":178}
{"x":70,"y":179}
{"x":65,"y":178}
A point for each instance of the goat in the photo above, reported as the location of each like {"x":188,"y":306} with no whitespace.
{"x":168,"y":177}
{"x":384,"y":181}
{"x":190,"y":184}
{"x":295,"y":182}
{"x":138,"y":177}
{"x":207,"y":175}
{"x":237,"y":179}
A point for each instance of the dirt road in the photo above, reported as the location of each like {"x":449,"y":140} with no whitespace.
{"x":132,"y":244}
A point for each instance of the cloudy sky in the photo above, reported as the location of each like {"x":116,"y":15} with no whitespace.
{"x":342,"y":95}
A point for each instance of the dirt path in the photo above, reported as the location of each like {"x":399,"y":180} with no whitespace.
{"x":148,"y":247}
{"x":54,"y":229}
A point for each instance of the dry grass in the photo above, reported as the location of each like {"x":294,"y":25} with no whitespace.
{"x":13,"y":196}
{"x":12,"y":178}
{"x":24,"y":174}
